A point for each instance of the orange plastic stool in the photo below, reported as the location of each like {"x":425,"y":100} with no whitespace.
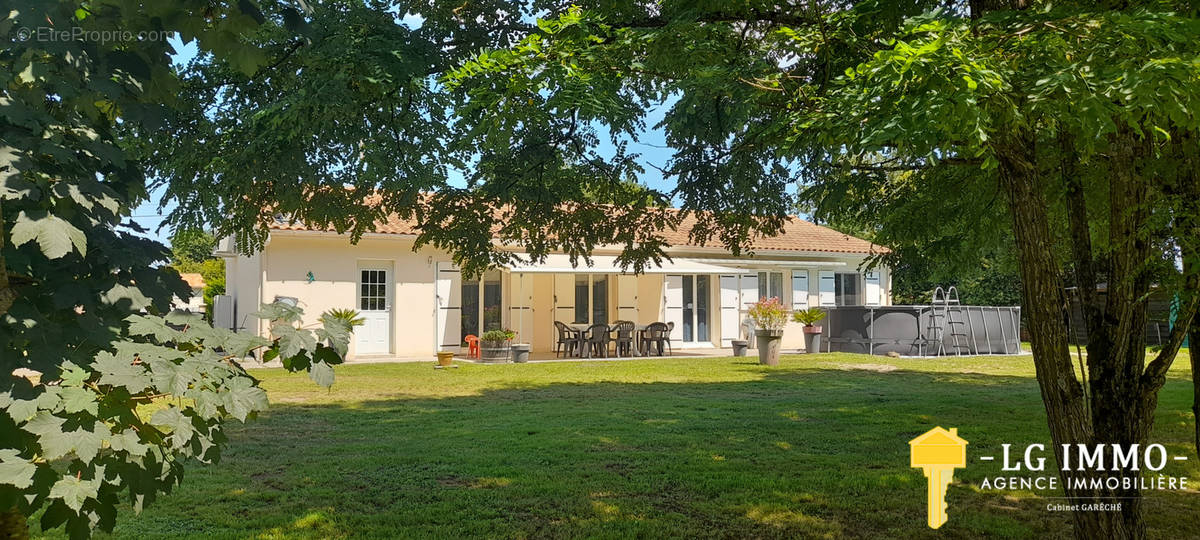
{"x":472,"y":345}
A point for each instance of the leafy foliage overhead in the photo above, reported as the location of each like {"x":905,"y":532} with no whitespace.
{"x":104,"y":394}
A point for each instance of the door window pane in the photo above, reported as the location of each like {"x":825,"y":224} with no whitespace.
{"x":372,"y":290}
{"x":492,"y":314}
{"x":688,"y":307}
{"x":702,"y":308}
{"x":581,"y":299}
{"x":846,"y":289}
{"x":470,"y":308}
{"x":599,"y":299}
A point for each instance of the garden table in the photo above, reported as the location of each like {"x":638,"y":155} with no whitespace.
{"x":637,"y":335}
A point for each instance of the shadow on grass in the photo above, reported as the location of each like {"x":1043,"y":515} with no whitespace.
{"x":795,"y":454}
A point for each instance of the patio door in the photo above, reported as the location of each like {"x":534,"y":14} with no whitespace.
{"x":687,"y":301}
{"x":374,"y":292}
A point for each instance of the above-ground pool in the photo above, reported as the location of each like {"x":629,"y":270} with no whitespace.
{"x":922,"y":330}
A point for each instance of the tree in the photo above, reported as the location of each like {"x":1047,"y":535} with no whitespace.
{"x":1061,"y":123}
{"x":192,"y":252}
{"x":86,"y":339}
{"x":191,"y":246}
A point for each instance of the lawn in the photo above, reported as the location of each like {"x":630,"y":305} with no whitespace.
{"x":720,"y":448}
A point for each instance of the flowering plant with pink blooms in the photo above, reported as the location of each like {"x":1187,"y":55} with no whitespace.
{"x":768,"y":314}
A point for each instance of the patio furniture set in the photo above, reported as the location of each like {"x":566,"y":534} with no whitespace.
{"x":625,"y":337}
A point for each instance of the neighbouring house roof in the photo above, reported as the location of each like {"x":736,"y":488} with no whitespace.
{"x":797,"y":235}
{"x":195,"y":281}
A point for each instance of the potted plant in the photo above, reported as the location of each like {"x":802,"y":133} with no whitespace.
{"x":493,"y":345}
{"x":769,"y":318}
{"x":812,"y":333}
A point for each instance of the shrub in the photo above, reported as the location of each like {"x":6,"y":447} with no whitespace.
{"x":768,"y":314}
{"x":498,"y":335}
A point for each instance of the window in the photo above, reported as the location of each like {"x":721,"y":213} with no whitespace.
{"x":481,"y":302}
{"x":846,"y":291}
{"x":372,"y":293}
{"x":591,"y":299}
{"x":770,"y":285}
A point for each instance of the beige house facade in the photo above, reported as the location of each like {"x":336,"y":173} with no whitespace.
{"x":416,"y":302}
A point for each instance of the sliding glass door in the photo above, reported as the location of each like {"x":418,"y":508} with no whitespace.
{"x":696,"y":293}
{"x":481,"y":303}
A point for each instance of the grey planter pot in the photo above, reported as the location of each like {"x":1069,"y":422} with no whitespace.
{"x":739,"y":347}
{"x":812,"y":339}
{"x":520,"y":353}
{"x":493,"y":352}
{"x":768,"y":346}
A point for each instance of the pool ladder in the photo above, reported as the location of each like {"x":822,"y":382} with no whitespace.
{"x":947,"y":329}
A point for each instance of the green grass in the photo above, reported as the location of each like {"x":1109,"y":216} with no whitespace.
{"x":723,"y":447}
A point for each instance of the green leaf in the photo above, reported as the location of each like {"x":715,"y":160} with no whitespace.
{"x":143,"y":325}
{"x":244,"y":398}
{"x":240,"y":344}
{"x":54,"y":235}
{"x":292,"y":341}
{"x":76,"y":399}
{"x":128,"y":441}
{"x":322,"y":374}
{"x":73,"y":375}
{"x":118,"y":372}
{"x":15,"y":470}
{"x":74,"y":491}
{"x":169,"y":377}
{"x":180,"y":425}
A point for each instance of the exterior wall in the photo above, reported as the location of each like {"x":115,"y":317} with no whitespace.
{"x":335,"y":265}
{"x":282,"y":269}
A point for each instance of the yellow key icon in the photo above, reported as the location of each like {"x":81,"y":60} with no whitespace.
{"x":938,"y":452}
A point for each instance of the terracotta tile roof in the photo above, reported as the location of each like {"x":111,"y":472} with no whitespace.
{"x":797,"y":235}
{"x":195,"y":281}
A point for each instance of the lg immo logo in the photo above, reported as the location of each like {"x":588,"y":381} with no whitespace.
{"x":938,"y":452}
{"x":1085,"y":468}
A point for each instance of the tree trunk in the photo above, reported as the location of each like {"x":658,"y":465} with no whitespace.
{"x":1193,"y":339}
{"x":1045,"y":303}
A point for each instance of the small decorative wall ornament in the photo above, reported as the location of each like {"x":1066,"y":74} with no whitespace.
{"x":311,"y":277}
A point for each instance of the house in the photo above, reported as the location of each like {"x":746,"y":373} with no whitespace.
{"x":195,"y":304}
{"x":417,"y":303}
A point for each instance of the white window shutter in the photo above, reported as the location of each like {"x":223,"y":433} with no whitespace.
{"x":873,"y":290}
{"x":799,"y":289}
{"x":828,"y":289}
{"x":730,"y":295}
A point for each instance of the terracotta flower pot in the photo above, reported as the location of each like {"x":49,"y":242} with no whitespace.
{"x":445,"y":358}
{"x":812,"y":339}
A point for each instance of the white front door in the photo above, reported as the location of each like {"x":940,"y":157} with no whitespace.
{"x":374,"y":291}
